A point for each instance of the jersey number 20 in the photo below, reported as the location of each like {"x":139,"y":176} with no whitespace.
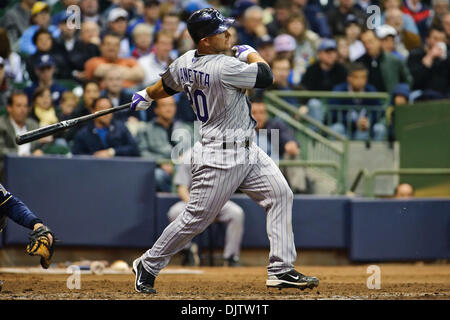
{"x":198,"y":100}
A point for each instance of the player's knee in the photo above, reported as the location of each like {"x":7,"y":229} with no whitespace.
{"x":287,"y":192}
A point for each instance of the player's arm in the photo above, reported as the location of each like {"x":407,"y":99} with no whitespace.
{"x":142,"y":99}
{"x":264,"y":76}
{"x":183,"y":192}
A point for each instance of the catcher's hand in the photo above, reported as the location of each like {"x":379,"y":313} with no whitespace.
{"x":42,"y":243}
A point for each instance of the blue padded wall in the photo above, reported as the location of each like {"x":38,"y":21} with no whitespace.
{"x":86,"y":201}
{"x":415,"y":229}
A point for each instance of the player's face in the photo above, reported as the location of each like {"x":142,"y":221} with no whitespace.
{"x":220,"y":42}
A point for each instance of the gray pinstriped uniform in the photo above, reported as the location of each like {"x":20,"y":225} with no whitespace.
{"x":231,"y":214}
{"x":216,"y":86}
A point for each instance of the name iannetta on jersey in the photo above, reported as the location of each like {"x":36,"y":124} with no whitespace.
{"x":191,"y":76}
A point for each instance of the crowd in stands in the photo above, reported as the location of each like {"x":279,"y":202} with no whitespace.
{"x":107,"y":49}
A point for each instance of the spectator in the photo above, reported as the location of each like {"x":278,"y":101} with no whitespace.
{"x":68,"y":104}
{"x":142,"y":36}
{"x":306,"y":43}
{"x":116,"y":93}
{"x":85,"y":48}
{"x":407,"y":40}
{"x":408,"y":21}
{"x":404,"y":191}
{"x":46,"y":114}
{"x":11,"y":60}
{"x":266,"y":49}
{"x":439,"y":9}
{"x":252,"y":27}
{"x":281,"y":69}
{"x":385,"y":69}
{"x":285,"y":46}
{"x":280,"y":18}
{"x":13,"y":123}
{"x":400,"y":97}
{"x":317,"y":21}
{"x":338,"y":16}
{"x":288,"y":146}
{"x":59,"y":10}
{"x":40,"y":19}
{"x":446,"y":26}
{"x":352,"y":33}
{"x":44,"y":43}
{"x":357,"y":124}
{"x":155,"y":140}
{"x":43,"y":111}
{"x":231,"y":214}
{"x":130,"y":6}
{"x":44,"y":46}
{"x":185,"y":42}
{"x":152,"y":10}
{"x":90,"y":12}
{"x":430,"y":66}
{"x":170,"y":22}
{"x":117,"y":24}
{"x":420,"y":14}
{"x":387,"y":35}
{"x":16,"y":20}
{"x":324,"y":74}
{"x":5,"y":86}
{"x":158,"y":61}
{"x":45,"y":69}
{"x":343,"y":51}
{"x":63,"y":49}
{"x":97,"y":67}
{"x":104,"y":137}
{"x":91,"y":92}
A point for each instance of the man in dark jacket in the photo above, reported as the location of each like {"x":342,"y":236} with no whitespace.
{"x":385,"y":69}
{"x":338,"y":16}
{"x":430,"y":66}
{"x":105,"y":137}
{"x":326,"y":72}
{"x":358,"y":122}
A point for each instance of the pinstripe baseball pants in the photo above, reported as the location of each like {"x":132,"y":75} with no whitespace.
{"x":214,"y":180}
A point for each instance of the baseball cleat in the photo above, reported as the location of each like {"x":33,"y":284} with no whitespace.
{"x":292,"y":279}
{"x":144,"y":280}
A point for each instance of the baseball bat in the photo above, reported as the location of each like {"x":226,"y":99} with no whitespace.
{"x":62,"y":125}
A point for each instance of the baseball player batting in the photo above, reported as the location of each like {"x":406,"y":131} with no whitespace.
{"x":216,"y":85}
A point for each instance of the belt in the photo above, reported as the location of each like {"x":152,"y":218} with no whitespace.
{"x":231,"y":144}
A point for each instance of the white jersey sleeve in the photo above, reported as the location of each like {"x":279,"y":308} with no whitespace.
{"x":239,"y":74}
{"x":170,"y":77}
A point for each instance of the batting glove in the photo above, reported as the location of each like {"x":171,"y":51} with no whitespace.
{"x":242,"y":52}
{"x":140,"y":101}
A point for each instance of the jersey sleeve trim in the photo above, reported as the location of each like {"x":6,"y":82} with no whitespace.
{"x":6,"y":200}
{"x":168,"y":89}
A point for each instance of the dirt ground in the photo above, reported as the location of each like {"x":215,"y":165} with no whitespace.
{"x":224,"y":283}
